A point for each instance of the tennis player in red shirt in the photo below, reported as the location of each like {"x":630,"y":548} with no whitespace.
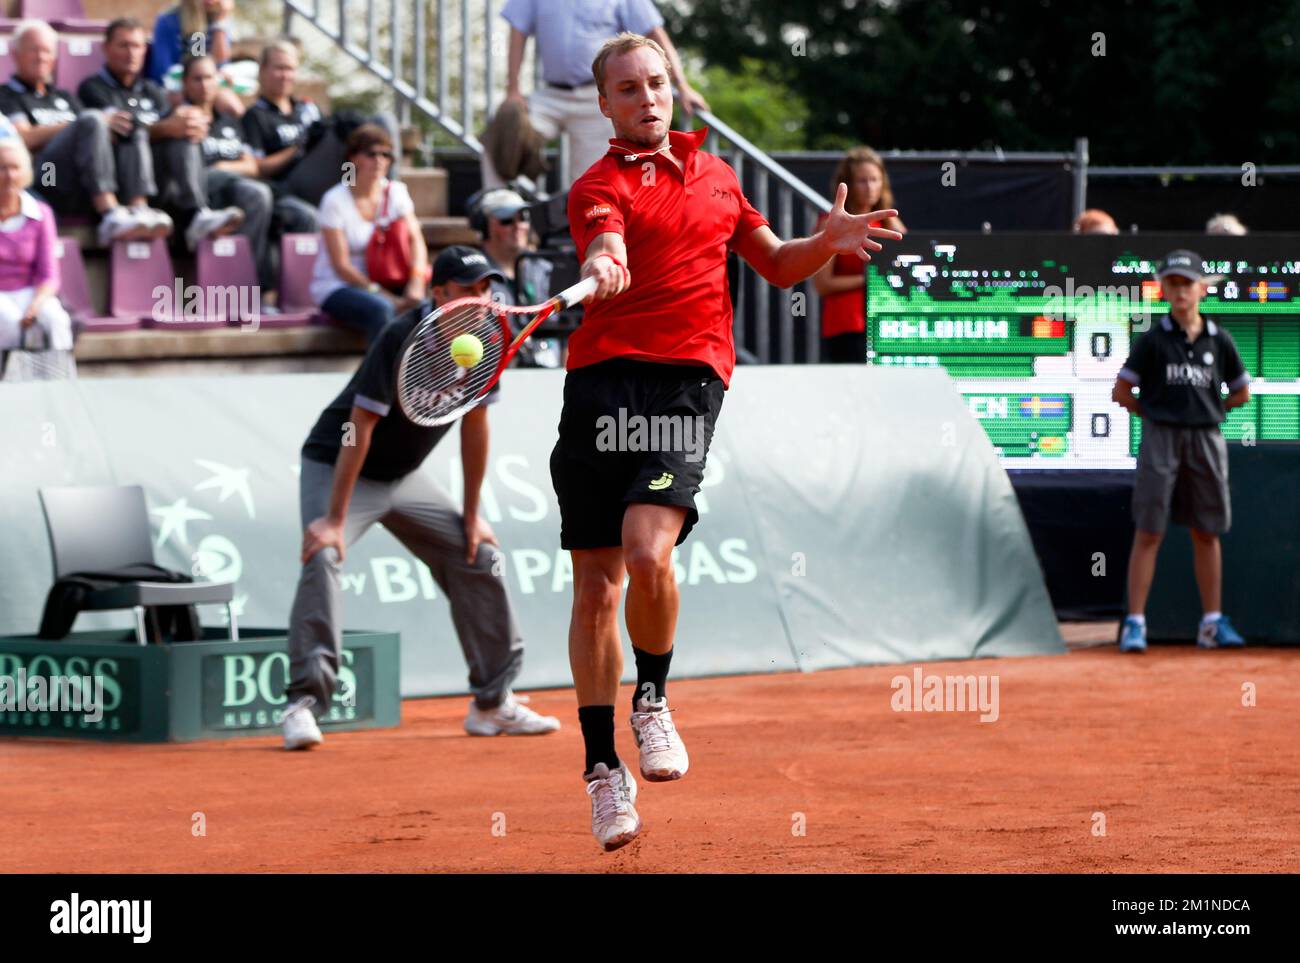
{"x":652,"y":221}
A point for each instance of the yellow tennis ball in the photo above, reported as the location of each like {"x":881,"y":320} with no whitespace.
{"x":466,"y":350}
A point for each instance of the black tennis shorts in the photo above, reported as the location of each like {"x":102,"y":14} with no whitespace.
{"x":631,"y":432}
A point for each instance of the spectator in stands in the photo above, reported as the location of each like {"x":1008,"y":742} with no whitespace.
{"x":298,"y":150}
{"x":230,"y":168}
{"x":1095,"y":221}
{"x":1225,"y":225}
{"x":841,"y":281}
{"x":569,"y":32}
{"x":29,"y":263}
{"x":193,"y":28}
{"x":348,"y":214}
{"x":81,"y":167}
{"x":137,"y":108}
{"x":502,"y":219}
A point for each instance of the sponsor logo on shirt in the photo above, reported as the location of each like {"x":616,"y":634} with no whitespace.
{"x":725,"y":195}
{"x":598,"y":211}
{"x":41,"y":116}
{"x":1195,"y":375}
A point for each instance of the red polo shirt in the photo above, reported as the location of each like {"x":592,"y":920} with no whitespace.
{"x":677,"y":226}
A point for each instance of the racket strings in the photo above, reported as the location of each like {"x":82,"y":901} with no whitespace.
{"x":432,"y":387}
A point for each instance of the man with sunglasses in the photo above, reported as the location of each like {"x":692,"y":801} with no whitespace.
{"x":502,"y":218}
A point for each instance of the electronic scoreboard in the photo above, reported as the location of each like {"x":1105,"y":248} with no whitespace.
{"x":1035,"y":327}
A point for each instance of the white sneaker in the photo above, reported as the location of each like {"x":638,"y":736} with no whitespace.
{"x":614,"y":820}
{"x":300,"y":729}
{"x":663,"y":756}
{"x":158,"y":223}
{"x":208,"y":222}
{"x":510,"y":717}
{"x":122,"y":224}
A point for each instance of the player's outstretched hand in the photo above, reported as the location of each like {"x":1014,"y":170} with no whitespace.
{"x":322,"y":533}
{"x":852,"y":233}
{"x":612,"y":278}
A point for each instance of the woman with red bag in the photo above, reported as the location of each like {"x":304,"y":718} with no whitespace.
{"x":841,"y":280}
{"x":373,"y":264}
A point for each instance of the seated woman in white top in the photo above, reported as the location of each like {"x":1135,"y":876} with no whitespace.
{"x":29,"y":263}
{"x":348,"y":213}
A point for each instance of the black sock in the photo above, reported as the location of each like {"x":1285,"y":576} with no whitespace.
{"x":651,"y":676}
{"x":598,"y":734}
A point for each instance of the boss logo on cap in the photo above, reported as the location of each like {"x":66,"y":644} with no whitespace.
{"x":469,"y":259}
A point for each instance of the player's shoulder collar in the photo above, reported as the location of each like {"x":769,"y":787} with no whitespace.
{"x":680,"y":142}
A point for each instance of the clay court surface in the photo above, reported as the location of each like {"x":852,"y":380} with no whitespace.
{"x":1188,"y":778}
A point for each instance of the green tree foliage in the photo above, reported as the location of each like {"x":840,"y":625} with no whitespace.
{"x":1180,"y":81}
{"x":759,"y":106}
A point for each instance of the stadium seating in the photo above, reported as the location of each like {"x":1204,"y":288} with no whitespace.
{"x":74,"y":292}
{"x":79,"y":57}
{"x":52,"y":9}
{"x":297,"y":257}
{"x":227,"y":262}
{"x":109,"y":291}
{"x":138,"y":269}
{"x":65,"y":16}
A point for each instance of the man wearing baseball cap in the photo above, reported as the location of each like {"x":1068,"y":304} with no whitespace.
{"x":1179,"y":367}
{"x":360,"y":466}
{"x":502,"y":218}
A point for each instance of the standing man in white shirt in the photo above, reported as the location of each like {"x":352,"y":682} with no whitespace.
{"x":569,"y":33}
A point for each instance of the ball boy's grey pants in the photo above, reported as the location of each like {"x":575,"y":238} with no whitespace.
{"x":424,"y":519}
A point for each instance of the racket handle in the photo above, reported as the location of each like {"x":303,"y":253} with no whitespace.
{"x":571,"y":296}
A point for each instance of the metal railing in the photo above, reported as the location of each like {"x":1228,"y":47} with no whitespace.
{"x":769,"y":324}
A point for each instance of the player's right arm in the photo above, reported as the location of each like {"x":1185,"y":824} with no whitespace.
{"x":596,"y":223}
{"x":327,"y":530}
{"x":606,"y":261}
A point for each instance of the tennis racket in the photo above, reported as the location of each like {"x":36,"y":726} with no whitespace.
{"x":432,"y":387}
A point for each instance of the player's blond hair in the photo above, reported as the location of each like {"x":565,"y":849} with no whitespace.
{"x":621,"y":44}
